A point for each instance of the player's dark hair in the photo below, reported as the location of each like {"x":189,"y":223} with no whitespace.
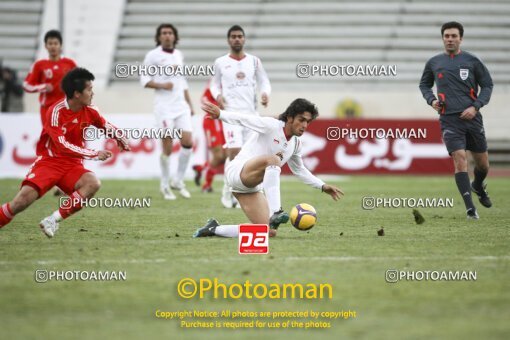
{"x":234,"y":28}
{"x":298,"y":106}
{"x":53,"y":34}
{"x":158,"y":33}
{"x":453,"y":24}
{"x":75,"y":80}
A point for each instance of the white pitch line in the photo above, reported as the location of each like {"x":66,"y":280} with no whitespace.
{"x":51,"y":262}
{"x":372,"y":258}
{"x":241,"y":258}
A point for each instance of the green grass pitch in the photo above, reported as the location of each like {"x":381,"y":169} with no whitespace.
{"x":155,"y":248}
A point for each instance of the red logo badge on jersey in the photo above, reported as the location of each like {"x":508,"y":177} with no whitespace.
{"x":253,"y":239}
{"x":440,"y":75}
{"x":240,"y":75}
{"x":48,"y":73}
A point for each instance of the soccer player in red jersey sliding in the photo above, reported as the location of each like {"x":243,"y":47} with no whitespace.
{"x":61,"y":151}
{"x":213,"y":129}
{"x":46,"y":75}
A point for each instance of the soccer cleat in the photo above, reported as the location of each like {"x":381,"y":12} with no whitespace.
{"x":167,"y":193}
{"x":235,"y":202}
{"x":198,"y":174}
{"x":483,"y":195}
{"x":208,"y":230}
{"x":58,"y":192}
{"x":278,"y":218}
{"x":181,"y":188}
{"x":472,"y":214}
{"x":49,"y":226}
{"x":226,"y":198}
{"x":207,"y":189}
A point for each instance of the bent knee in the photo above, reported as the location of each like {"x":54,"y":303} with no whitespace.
{"x":273,"y":160}
{"x":93,"y":184}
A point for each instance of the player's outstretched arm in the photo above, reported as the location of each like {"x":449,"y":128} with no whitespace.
{"x":103,"y":155}
{"x":252,"y":122}
{"x":101,"y":123}
{"x":334,"y":192}
{"x":212,"y":109}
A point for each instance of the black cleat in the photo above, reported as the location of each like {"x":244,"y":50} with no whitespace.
{"x":198,"y":174}
{"x":472,"y":214}
{"x":208,"y":230}
{"x":207,"y":190}
{"x":278,"y":218}
{"x":58,"y":192}
{"x":483,"y":195}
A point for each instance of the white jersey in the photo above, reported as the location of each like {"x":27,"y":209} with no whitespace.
{"x":270,"y":139}
{"x":236,"y":80}
{"x":167,"y":102}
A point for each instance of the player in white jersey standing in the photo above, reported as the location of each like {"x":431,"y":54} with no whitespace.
{"x":172,"y":105}
{"x":234,"y":86}
{"x":258,"y":165}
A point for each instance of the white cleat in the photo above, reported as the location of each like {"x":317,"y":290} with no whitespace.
{"x":235,"y":202}
{"x":167,"y":193}
{"x":227,"y":202}
{"x":49,"y":226}
{"x":181,"y":187}
{"x":226,"y":199}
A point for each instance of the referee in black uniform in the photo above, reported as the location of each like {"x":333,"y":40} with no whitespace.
{"x":458,"y":75}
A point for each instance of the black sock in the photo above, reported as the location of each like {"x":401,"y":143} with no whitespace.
{"x":479,"y":177}
{"x":462,"y":180}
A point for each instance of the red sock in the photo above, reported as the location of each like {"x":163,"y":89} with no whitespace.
{"x":6,"y":214}
{"x":198,"y":168}
{"x":209,"y":176}
{"x":73,"y":205}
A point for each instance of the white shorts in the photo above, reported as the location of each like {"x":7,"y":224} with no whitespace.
{"x":233,"y":178}
{"x":235,"y":135}
{"x":180,"y":121}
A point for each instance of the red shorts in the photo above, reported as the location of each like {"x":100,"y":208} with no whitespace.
{"x":47,"y":172}
{"x":213,"y":129}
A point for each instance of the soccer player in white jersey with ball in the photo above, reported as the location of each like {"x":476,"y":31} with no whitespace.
{"x":172,"y":106}
{"x":234,"y":86}
{"x":258,"y":165}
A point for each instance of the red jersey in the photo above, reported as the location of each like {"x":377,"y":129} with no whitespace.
{"x":62,"y":133}
{"x":207,"y":97}
{"x":44,"y":72}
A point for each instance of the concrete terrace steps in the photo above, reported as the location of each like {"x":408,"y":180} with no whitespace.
{"x":285,"y":32}
{"x":19,"y":31}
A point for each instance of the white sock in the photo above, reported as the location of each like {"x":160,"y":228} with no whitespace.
{"x":164,"y":162}
{"x":271,"y":184}
{"x":184,"y":156}
{"x":56,"y":215}
{"x":228,"y":230}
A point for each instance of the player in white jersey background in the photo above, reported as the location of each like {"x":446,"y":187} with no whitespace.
{"x":172,"y":106}
{"x":237,"y":76}
{"x":258,"y":165}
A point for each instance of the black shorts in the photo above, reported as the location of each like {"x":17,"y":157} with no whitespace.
{"x":463,"y":134}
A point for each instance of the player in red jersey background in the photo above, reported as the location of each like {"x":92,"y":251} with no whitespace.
{"x":46,"y":75}
{"x":213,"y":129}
{"x":61,"y":150}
